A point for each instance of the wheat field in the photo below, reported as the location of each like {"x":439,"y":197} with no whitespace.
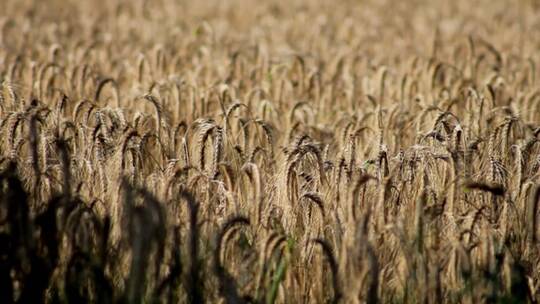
{"x":279,"y":151}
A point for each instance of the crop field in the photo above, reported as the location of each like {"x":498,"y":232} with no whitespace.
{"x":281,"y":151}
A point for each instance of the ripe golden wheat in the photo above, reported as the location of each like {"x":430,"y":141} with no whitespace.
{"x":279,"y":151}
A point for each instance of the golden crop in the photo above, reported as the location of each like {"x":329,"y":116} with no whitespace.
{"x":280,"y":151}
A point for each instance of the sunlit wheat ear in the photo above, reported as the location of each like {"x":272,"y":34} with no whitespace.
{"x":297,"y":106}
{"x":468,"y":156}
{"x":160,"y":58}
{"x":301,"y":140}
{"x":228,"y":182}
{"x":66,"y":166}
{"x":253,"y":173}
{"x":54,"y":52}
{"x":457,"y":139}
{"x":159,"y":111}
{"x":518,"y":171}
{"x":205,"y":130}
{"x":2,"y":108}
{"x":239,"y":153}
{"x":492,"y":152}
{"x":102,"y":125}
{"x":11,"y":125}
{"x":303,"y":147}
{"x":505,"y":129}
{"x":498,"y":173}
{"x":236,"y":105}
{"x":496,"y":54}
{"x":531,"y":76}
{"x":179,"y":131}
{"x":383,"y":72}
{"x":362,"y":180}
{"x":422,"y":117}
{"x":141,"y":63}
{"x":150,"y":142}
{"x":268,"y":133}
{"x":9,"y":95}
{"x":315,"y":198}
{"x":345,"y":133}
{"x":125,"y":142}
{"x":119,"y":118}
{"x":527,"y":147}
{"x":382,"y":162}
{"x":478,"y":215}
{"x":14,"y":68}
{"x":315,"y":85}
{"x":534,"y":102}
{"x":78,"y":110}
{"x":292,"y":131}
{"x":83,"y":77}
{"x":42,"y":83}
{"x":17,"y":147}
{"x":258,"y":150}
{"x":299,"y":66}
{"x":61,"y":104}
{"x":102,"y":83}
{"x":462,"y":118}
{"x":185,"y":152}
{"x":100,"y":160}
{"x":218,"y":151}
{"x":177,"y":180}
{"x":290,"y":181}
{"x":337,"y":178}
